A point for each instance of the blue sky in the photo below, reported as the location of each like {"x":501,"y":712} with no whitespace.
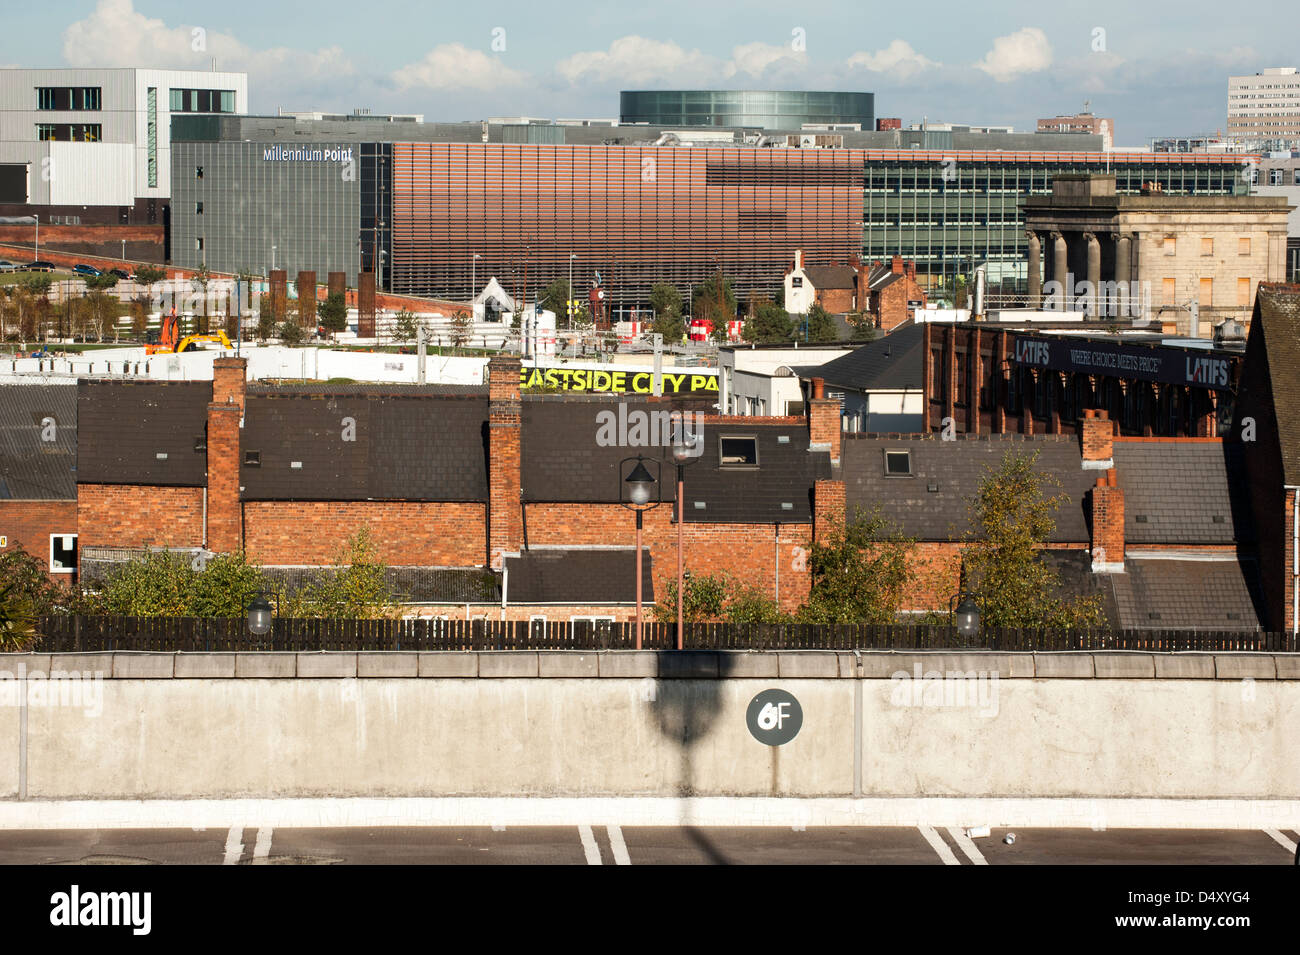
{"x":1158,"y":69}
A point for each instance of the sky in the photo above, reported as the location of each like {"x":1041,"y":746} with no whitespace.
{"x":1157,"y":69}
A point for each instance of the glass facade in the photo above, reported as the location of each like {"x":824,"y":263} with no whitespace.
{"x":152,"y":134}
{"x":202,"y":101}
{"x":769,"y":109}
{"x":952,"y":212}
{"x":68,"y":97}
{"x":69,"y":132}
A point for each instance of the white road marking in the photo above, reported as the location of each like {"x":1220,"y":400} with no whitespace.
{"x":589,"y":847}
{"x":262,"y":848}
{"x":1281,"y":840}
{"x":964,"y":843}
{"x":618,"y":845}
{"x":938,"y":845}
{"x":234,"y":846}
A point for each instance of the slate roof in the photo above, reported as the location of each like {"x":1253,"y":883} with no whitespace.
{"x":578,"y":576}
{"x":955,"y":469}
{"x":137,"y":432}
{"x":1161,"y":594}
{"x":1183,"y":493}
{"x":32,"y":468}
{"x":406,"y":447}
{"x":888,"y":363}
{"x":1276,"y":324}
{"x":364,"y":388}
{"x":831,"y":276}
{"x":563,"y":462}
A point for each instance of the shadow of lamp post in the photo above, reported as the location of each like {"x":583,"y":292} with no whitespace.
{"x":688,"y":445}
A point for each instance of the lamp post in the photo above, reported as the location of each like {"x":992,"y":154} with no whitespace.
{"x":568,"y":299}
{"x":638,"y":492}
{"x":966,"y":616}
{"x":688,"y":445}
{"x":473,"y":278}
{"x":259,"y":616}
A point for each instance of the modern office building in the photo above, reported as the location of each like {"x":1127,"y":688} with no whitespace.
{"x":94,"y":146}
{"x":442,"y":208}
{"x":1084,"y":122}
{"x":764,"y":109}
{"x":1264,"y":108}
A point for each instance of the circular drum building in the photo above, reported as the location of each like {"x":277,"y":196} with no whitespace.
{"x":768,"y":109}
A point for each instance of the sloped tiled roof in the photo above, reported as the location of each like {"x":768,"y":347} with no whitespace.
{"x":955,"y":469}
{"x":578,"y":576}
{"x":1276,"y":326}
{"x":417,"y":447}
{"x":1187,"y":594}
{"x":826,"y":277}
{"x":1183,"y":492}
{"x":142,"y":432}
{"x":31,"y":467}
{"x":889,"y":363}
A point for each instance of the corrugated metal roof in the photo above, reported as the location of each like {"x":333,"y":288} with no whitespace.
{"x":38,"y":442}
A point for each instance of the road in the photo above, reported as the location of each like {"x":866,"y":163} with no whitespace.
{"x":614,"y":845}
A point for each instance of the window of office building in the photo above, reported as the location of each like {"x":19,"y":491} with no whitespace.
{"x":1207,"y":292}
{"x":68,"y":97}
{"x":69,"y":132}
{"x":202,"y":101}
{"x":1243,"y":291}
{"x":152,"y":134}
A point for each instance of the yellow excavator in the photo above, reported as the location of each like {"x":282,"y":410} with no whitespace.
{"x":169,"y":340}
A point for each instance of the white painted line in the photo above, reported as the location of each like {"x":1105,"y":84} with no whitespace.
{"x":618,"y":845}
{"x":966,"y":845}
{"x":262,"y":848}
{"x":1281,"y":840}
{"x":589,"y":847}
{"x":938,"y":845}
{"x":234,"y":846}
{"x":732,"y":811}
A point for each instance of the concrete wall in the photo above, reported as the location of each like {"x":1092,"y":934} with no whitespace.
{"x":624,"y":723}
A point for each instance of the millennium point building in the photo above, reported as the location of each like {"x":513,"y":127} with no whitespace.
{"x":438,"y":209}
{"x":764,"y":109}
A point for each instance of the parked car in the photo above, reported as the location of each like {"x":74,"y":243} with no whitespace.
{"x":122,"y":274}
{"x":37,"y":266}
{"x":7,"y":266}
{"x":81,"y":268}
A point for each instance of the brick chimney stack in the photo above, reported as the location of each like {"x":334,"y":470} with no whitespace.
{"x":824,"y":422}
{"x":1107,"y":526}
{"x":225,"y":524}
{"x":828,"y":507}
{"x":896,"y":265}
{"x":1098,"y":439}
{"x":505,"y":414}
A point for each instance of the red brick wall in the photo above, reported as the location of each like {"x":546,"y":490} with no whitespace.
{"x":127,"y":515}
{"x":748,"y":552}
{"x":934,"y":569}
{"x":29,"y":524}
{"x":890,"y":304}
{"x":828,"y":506}
{"x":554,"y":614}
{"x":405,"y":532}
{"x":824,"y":427}
{"x":836,"y":299}
{"x":1107,"y":520}
{"x":505,"y":517}
{"x":1098,"y":435}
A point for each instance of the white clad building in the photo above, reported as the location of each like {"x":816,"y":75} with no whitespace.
{"x":94,"y":145}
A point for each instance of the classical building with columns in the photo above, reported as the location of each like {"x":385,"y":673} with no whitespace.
{"x":1193,"y":260}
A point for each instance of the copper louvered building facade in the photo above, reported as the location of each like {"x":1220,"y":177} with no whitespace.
{"x":635,"y":215}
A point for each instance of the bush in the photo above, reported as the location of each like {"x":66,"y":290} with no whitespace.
{"x":356,"y":589}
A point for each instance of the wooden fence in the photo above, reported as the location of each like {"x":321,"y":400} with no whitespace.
{"x":70,"y":634}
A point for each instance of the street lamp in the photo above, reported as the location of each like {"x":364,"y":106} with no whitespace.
{"x":638,"y":492}
{"x":473,"y":278}
{"x":687,"y":445}
{"x":259,"y":616}
{"x":966,"y":618}
{"x":568,"y":303}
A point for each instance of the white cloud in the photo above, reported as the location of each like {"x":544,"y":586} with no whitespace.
{"x":455,"y":66}
{"x":1025,"y":51}
{"x":755,"y":59}
{"x":898,"y":59}
{"x":114,"y":34}
{"x":636,"y":60}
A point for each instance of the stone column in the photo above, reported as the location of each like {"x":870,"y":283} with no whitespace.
{"x":1060,"y":255}
{"x":1094,"y":272}
{"x":1035,"y":270}
{"x":1123,"y":271}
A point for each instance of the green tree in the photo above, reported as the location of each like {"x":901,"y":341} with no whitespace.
{"x":715,"y":301}
{"x":461,"y":326}
{"x":290,"y":332}
{"x":356,"y":588}
{"x":859,"y":572}
{"x":821,"y":326}
{"x":265,"y":318}
{"x":405,"y":327}
{"x":555,"y":298}
{"x":149,"y":275}
{"x":711,"y":597}
{"x":26,"y":595}
{"x":1011,"y":517}
{"x":667,"y":304}
{"x":767,"y":323}
{"x":37,"y":283}
{"x":334,"y":313}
